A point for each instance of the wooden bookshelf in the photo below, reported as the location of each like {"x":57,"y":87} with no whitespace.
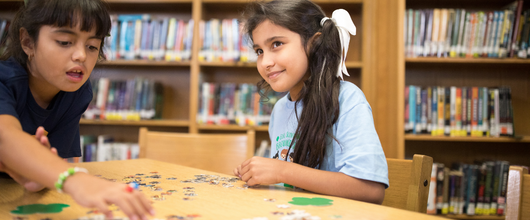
{"x":508,"y":61}
{"x":349,"y":64}
{"x":477,"y":217}
{"x":460,"y":72}
{"x":157,"y":123}
{"x":424,"y":137}
{"x":181,"y":80}
{"x":233,"y":127}
{"x":152,"y":63}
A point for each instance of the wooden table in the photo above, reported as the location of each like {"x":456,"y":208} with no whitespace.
{"x":211,"y":202}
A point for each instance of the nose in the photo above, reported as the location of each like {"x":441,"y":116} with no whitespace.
{"x":79,"y":54}
{"x":267,"y":61}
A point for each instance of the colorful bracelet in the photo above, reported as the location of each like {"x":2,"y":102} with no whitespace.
{"x":62,"y":177}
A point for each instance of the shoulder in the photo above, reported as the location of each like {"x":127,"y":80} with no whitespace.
{"x":10,"y":69}
{"x":350,"y":96}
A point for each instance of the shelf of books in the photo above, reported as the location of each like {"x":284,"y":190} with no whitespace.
{"x":233,"y":127}
{"x":142,"y":63}
{"x":316,"y":1}
{"x":466,"y":69}
{"x":466,"y":60}
{"x":426,"y":137}
{"x":187,"y":66}
{"x":157,"y":123}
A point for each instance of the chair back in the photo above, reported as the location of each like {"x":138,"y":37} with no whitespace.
{"x":213,"y":152}
{"x":409,"y":183}
{"x":518,"y":194}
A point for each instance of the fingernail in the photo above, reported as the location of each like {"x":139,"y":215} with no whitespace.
{"x":134,"y":217}
{"x":152,"y":212}
{"x":144,"y":217}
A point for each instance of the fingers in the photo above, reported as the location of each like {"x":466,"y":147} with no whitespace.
{"x":103,"y":208}
{"x":40,"y":132}
{"x":134,"y":205}
{"x":236,"y":171}
{"x":44,"y":141}
{"x":147,"y":204}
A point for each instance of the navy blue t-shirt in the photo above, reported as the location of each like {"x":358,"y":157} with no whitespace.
{"x":60,"y":119}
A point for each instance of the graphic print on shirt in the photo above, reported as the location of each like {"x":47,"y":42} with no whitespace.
{"x":283,"y":141}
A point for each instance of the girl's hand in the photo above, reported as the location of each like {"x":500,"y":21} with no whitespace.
{"x":93,"y":192}
{"x":31,"y":186}
{"x":260,"y":170}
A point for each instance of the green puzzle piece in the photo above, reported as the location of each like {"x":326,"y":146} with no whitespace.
{"x":316,"y":201}
{"x":39,"y":208}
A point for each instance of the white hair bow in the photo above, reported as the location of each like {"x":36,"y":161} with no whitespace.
{"x":345,"y":26}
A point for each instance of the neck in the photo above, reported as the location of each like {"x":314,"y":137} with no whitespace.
{"x":42,"y":91}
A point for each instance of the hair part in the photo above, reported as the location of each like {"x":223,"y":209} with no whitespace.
{"x":320,"y":94}
{"x":88,"y":14}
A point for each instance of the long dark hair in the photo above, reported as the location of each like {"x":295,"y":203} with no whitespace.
{"x":320,"y":94}
{"x":36,"y":13}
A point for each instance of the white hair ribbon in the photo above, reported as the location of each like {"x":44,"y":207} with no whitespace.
{"x":345,"y":26}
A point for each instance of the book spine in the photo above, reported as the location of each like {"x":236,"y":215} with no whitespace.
{"x":434,"y":111}
{"x":431,"y":201}
{"x":440,"y":175}
{"x":423,"y":127}
{"x":488,"y":187}
{"x":458,"y":112}
{"x":452,"y":110}
{"x":479,"y":210}
{"x":445,"y":206}
{"x":447,"y":111}
{"x":501,"y":201}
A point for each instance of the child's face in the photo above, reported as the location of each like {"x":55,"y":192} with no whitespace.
{"x":282,"y":60}
{"x":64,"y":57}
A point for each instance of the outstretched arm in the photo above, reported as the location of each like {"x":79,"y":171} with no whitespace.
{"x":24,"y":155}
{"x":259,"y":170}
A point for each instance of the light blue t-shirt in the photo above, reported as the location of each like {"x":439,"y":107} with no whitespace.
{"x":358,"y":153}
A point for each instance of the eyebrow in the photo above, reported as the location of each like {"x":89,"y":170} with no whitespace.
{"x":67,"y":31}
{"x":268,"y":40}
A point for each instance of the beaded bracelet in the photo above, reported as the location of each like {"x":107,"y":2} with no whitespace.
{"x":62,"y":177}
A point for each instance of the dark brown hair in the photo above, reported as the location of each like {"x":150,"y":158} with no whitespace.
{"x":320,"y":94}
{"x":36,"y":13}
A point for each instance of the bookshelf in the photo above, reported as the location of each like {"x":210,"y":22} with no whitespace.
{"x":488,"y":72}
{"x":460,"y":72}
{"x":181,"y":80}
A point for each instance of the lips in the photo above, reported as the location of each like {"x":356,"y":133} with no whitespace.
{"x":75,"y":75}
{"x":274,"y":75}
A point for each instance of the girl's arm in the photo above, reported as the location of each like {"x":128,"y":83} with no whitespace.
{"x":23,"y":154}
{"x":259,"y":170}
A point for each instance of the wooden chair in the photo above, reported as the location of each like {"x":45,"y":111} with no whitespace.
{"x":409,"y":183}
{"x":518,"y":194}
{"x":214,"y":152}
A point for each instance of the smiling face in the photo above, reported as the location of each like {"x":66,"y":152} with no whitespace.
{"x":62,"y":59}
{"x":282,"y":59}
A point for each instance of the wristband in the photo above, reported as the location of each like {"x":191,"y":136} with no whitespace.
{"x":62,"y":177}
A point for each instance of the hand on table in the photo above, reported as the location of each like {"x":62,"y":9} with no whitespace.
{"x":93,"y":192}
{"x":260,"y":170}
{"x":31,"y":186}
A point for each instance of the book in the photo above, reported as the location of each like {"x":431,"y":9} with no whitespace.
{"x":481,"y":179}
{"x":445,"y":206}
{"x":447,"y":111}
{"x":503,"y":185}
{"x":516,"y":28}
{"x":431,"y":201}
{"x":488,"y":187}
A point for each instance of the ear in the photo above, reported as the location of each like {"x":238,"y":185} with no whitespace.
{"x":27,"y":43}
{"x":312,"y":40}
